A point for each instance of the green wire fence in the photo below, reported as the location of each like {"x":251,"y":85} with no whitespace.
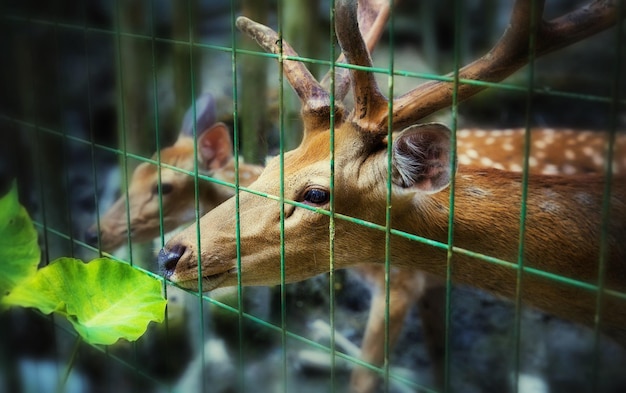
{"x":92,"y":86}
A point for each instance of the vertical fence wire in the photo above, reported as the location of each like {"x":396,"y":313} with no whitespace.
{"x":196,"y":185}
{"x":458,"y":18}
{"x":92,"y":134}
{"x":529,"y":100}
{"x":281,"y":198}
{"x":236,"y":133}
{"x":614,"y":112}
{"x":121,"y":120}
{"x":38,"y":132}
{"x":63,"y":130}
{"x":331,"y":224}
{"x":157,"y":136}
{"x":388,"y":201}
{"x":122,"y":128}
{"x":121,"y":107}
{"x":92,"y":148}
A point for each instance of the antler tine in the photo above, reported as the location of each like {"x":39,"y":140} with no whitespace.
{"x":372,"y":16}
{"x":508,"y":55}
{"x":315,"y":100}
{"x":369,"y":101}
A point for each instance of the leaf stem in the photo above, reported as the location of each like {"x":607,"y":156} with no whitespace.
{"x":63,"y":382}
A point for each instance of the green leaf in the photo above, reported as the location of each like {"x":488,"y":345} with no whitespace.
{"x":19,"y":251}
{"x":104,"y":300}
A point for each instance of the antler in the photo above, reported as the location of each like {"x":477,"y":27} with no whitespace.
{"x":315,"y":100}
{"x":372,"y":14}
{"x":509,"y":54}
{"x":369,"y":101}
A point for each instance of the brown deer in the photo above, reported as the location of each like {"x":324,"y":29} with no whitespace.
{"x":177,"y":203}
{"x":420,"y":175}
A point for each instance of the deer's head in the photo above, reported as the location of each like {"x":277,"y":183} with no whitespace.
{"x":172,"y":197}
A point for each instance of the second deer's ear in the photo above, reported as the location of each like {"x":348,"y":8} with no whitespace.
{"x":215,"y":148}
{"x":421,"y":158}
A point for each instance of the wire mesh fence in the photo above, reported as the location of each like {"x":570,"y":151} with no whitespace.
{"x":93,"y":90}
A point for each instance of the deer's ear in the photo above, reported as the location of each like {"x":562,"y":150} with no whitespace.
{"x":421,"y":158}
{"x":204,"y":115}
{"x":215,"y":148}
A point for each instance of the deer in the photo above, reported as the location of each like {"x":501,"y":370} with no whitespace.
{"x":563,"y":222}
{"x":173,"y":195}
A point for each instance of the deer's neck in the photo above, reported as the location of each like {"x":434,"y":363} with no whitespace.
{"x":562,"y":237}
{"x":562,"y":222}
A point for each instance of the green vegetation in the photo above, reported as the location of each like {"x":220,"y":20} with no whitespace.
{"x":104,"y":300}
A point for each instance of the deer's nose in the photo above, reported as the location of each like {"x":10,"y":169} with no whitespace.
{"x":168,"y":259}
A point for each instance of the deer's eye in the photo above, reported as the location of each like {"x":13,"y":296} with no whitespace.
{"x":316,"y":196}
{"x":166,"y":188}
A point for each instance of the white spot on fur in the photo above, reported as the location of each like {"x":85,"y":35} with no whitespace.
{"x":598,"y":159}
{"x":463,"y":133}
{"x":540,"y":144}
{"x":532,"y":161}
{"x":584,"y":198}
{"x":480,"y":133}
{"x":472,"y":153}
{"x":549,"y":202}
{"x":570,"y":155}
{"x":549,"y":206}
{"x":549,"y":194}
{"x":569,"y":169}
{"x":476,"y":191}
{"x":588,"y":151}
{"x":515,"y":168}
{"x":486,"y":161}
{"x":497,"y":165}
{"x":508,"y":147}
{"x":550,"y":169}
{"x":582,"y":136}
{"x":464,"y":160}
{"x":490,"y":141}
{"x":496,"y":133}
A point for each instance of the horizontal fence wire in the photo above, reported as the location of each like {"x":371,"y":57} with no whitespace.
{"x":548,"y":91}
